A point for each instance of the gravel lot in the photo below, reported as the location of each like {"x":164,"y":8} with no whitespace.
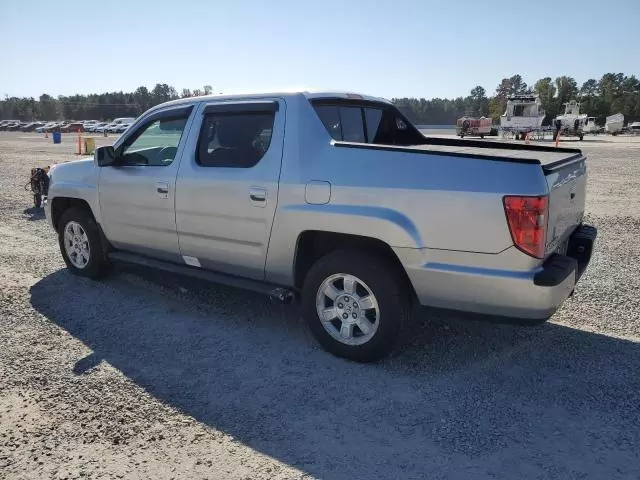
{"x":147,"y":376}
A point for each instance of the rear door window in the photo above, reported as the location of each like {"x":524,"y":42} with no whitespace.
{"x":237,"y":140}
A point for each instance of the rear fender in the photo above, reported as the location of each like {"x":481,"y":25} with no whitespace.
{"x":384,"y":224}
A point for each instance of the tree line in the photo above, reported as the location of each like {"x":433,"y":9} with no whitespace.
{"x":613,"y":93}
{"x":102,"y":106}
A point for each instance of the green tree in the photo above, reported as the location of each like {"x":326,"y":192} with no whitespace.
{"x":567,"y":89}
{"x":517,"y":86}
{"x":589,"y":88}
{"x":546,"y":90}
{"x":143,"y":99}
{"x":163,"y":93}
{"x":479,"y":101}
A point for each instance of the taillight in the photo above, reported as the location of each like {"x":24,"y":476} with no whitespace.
{"x":527,"y":219}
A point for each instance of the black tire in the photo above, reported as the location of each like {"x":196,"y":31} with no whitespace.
{"x":390,"y":288}
{"x":96,"y":265}
{"x":581,"y":137}
{"x":37,"y":200}
{"x":482,"y":136}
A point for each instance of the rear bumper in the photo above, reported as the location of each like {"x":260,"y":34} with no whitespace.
{"x":559,"y":267}
{"x":529,"y":294}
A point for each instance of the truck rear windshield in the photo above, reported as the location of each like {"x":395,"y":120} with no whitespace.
{"x":366,"y":122}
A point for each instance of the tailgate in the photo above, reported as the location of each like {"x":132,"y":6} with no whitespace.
{"x":566,"y":180}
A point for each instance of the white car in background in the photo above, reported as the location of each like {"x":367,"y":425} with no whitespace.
{"x":44,"y":127}
{"x":97,"y":127}
{"x":121,"y":128}
{"x":88,"y":124}
{"x":102,"y":128}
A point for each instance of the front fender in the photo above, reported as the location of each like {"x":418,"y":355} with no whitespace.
{"x":77,"y":180}
{"x":74,"y":190}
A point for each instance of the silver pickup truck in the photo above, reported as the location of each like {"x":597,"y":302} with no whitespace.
{"x":335,"y":199}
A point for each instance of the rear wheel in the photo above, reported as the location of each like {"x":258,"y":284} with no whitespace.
{"x":80,"y":243}
{"x":355,"y":304}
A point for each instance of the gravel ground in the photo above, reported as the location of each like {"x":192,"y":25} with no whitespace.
{"x":147,"y":376}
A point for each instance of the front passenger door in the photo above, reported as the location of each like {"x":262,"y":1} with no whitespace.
{"x":137,"y":194}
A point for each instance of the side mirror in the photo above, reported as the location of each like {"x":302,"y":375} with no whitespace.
{"x":105,"y":156}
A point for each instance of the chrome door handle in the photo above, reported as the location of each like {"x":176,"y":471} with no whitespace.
{"x":258,"y":196}
{"x":163,"y":189}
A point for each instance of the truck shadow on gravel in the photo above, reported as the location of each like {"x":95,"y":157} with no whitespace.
{"x":463,"y":400}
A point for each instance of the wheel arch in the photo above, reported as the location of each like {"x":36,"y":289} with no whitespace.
{"x":311,"y":245}
{"x":59,"y":205}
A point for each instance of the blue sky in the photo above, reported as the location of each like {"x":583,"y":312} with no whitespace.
{"x":387,"y":48}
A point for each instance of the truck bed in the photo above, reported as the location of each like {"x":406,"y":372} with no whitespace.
{"x":547,"y":156}
{"x":550,"y":158}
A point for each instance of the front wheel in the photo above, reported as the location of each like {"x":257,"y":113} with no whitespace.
{"x":80,"y":243}
{"x":355,"y":304}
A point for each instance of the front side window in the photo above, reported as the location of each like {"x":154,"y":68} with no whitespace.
{"x":156,"y":144}
{"x":236,"y":140}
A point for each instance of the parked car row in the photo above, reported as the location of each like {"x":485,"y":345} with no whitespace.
{"x":18,"y":126}
{"x":118,"y":125}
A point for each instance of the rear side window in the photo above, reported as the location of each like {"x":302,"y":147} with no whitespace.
{"x":330,"y":117}
{"x":343,"y":123}
{"x":373,"y":117}
{"x":367,"y":123}
{"x":237,"y":140}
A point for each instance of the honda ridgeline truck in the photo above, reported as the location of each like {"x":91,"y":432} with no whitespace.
{"x":335,"y":199}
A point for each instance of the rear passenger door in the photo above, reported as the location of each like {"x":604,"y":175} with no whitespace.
{"x":227,"y":186}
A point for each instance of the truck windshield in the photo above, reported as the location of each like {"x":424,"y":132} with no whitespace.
{"x":366,"y":122}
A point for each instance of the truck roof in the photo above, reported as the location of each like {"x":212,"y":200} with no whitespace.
{"x":282,"y":94}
